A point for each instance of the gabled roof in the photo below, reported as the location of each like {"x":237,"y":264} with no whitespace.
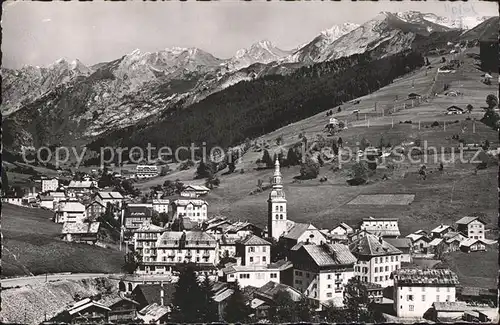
{"x":155,"y":311}
{"x":415,"y":237}
{"x":330,"y":254}
{"x":268,"y":290}
{"x":191,"y":236}
{"x":470,"y":241}
{"x":94,"y":203}
{"x":412,"y":276}
{"x":370,"y":245}
{"x":399,"y":242}
{"x":71,"y":206}
{"x":467,"y":220}
{"x":185,"y":202}
{"x":436,"y":241}
{"x":344,"y":226}
{"x":80,"y":228}
{"x":298,"y":229}
{"x":253,"y":240}
{"x":138,"y":211}
{"x":84,"y":304}
{"x":149,"y":228}
{"x":152,"y":292}
{"x":110,"y":301}
{"x":454,"y":107}
{"x":439,"y":229}
{"x":81,"y":184}
{"x":238,"y":226}
{"x":196,"y":188}
{"x":110,"y":195}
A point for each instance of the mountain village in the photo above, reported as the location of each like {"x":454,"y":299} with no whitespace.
{"x":371,"y":241}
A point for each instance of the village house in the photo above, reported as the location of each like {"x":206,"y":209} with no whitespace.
{"x":227,"y":246}
{"x":376,"y":260}
{"x":420,"y":242}
{"x":194,"y":191}
{"x":81,"y":186}
{"x":50,"y":184}
{"x":447,"y":311}
{"x":221,"y":293}
{"x":322,"y":271}
{"x":263,"y":298}
{"x":453,"y":110}
{"x":105,"y":198}
{"x":384,"y":227}
{"x":404,"y":245}
{"x":46,"y":201}
{"x":81,"y":232}
{"x":375,"y":292}
{"x":87,"y":311}
{"x":194,"y":209}
{"x":357,"y":234}
{"x":477,"y":295}
{"x":440,"y":231}
{"x":342,"y":230}
{"x":254,"y":275}
{"x":69,"y":211}
{"x":453,"y":240}
{"x":146,"y":171}
{"x":303,"y":233}
{"x":436,"y":246}
{"x":148,"y":294}
{"x":253,"y":250}
{"x":415,"y":290}
{"x":122,"y":309}
{"x":472,"y":245}
{"x":175,"y":247}
{"x":154,"y":314}
{"x":94,"y":210}
{"x":161,"y":205}
{"x":472,"y":227}
{"x":135,"y":217}
{"x":242,"y":229}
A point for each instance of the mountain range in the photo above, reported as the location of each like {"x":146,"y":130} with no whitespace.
{"x":68,"y":102}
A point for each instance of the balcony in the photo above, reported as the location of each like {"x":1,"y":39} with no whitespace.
{"x":338,"y":281}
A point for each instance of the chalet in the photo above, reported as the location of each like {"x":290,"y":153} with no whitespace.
{"x":242,"y":229}
{"x":69,"y":211}
{"x":447,"y":311}
{"x":253,"y":250}
{"x":473,"y":295}
{"x":440,"y":231}
{"x":254,"y":275}
{"x":376,"y":259}
{"x":87,"y":311}
{"x":454,"y":110}
{"x":342,"y":230}
{"x":384,"y":227}
{"x":453,"y":240}
{"x":221,"y":293}
{"x":436,"y":245}
{"x":472,"y":245}
{"x":322,"y":271}
{"x":81,"y":232}
{"x":414,"y":96}
{"x":227,"y":246}
{"x":357,"y":234}
{"x":374,"y":291}
{"x":145,"y":239}
{"x":148,"y":294}
{"x":146,"y":171}
{"x":194,"y":209}
{"x":194,"y":191}
{"x":475,"y":316}
{"x":106,"y":198}
{"x":122,"y":309}
{"x":46,"y":201}
{"x":263,"y":298}
{"x":420,"y":243}
{"x":303,"y":233}
{"x":82,"y":186}
{"x":175,"y":247}
{"x":415,"y":290}
{"x":404,"y":245}
{"x":94,"y":210}
{"x":472,"y":227}
{"x":135,"y":217}
{"x":216,"y":226}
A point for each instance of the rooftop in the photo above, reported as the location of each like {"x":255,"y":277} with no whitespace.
{"x":330,"y":254}
{"x":371,"y":245}
{"x":184,"y":202}
{"x":150,"y":228}
{"x":298,"y":229}
{"x":400,"y":243}
{"x":470,"y":241}
{"x":467,"y":220}
{"x":80,"y":228}
{"x":413,"y":276}
{"x":154,"y":310}
{"x":253,"y":240}
{"x":152,"y":292}
{"x":450,"y":306}
{"x":440,"y":228}
{"x":191,"y":237}
{"x":110,"y":195}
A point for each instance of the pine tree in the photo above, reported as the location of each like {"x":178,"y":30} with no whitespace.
{"x":304,"y":309}
{"x":283,"y":310}
{"x":203,"y":170}
{"x":188,"y":297}
{"x":236,"y":311}
{"x":266,"y":159}
{"x":5,"y":182}
{"x":209,"y":310}
{"x":291,"y":158}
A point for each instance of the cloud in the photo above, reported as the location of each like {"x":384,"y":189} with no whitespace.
{"x":46,"y":20}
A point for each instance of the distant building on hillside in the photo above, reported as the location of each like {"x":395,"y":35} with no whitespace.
{"x":69,"y":211}
{"x":81,"y":186}
{"x":253,"y":250}
{"x":255,"y":275}
{"x":194,"y":191}
{"x":472,"y":245}
{"x":384,"y":227}
{"x":146,"y":171}
{"x":194,"y":209}
{"x":472,"y":227}
{"x":161,"y":205}
{"x":94,"y":210}
{"x":50,"y":184}
{"x":82,"y":232}
{"x":440,"y":231}
{"x":135,"y":217}
{"x":415,"y":290}
{"x":106,"y":198}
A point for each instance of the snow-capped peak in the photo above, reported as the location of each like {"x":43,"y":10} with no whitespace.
{"x":337,"y":31}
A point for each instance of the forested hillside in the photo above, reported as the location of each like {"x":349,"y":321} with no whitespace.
{"x":250,"y":109}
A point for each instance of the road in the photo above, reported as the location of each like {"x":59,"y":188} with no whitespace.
{"x":38,"y":279}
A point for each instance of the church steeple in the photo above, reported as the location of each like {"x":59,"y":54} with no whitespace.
{"x":277,"y":214}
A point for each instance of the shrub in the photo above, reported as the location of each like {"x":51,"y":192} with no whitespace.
{"x":435,"y":123}
{"x":468,"y":118}
{"x":309,"y":169}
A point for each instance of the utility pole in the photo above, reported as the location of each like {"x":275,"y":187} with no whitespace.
{"x":392,"y":123}
{"x":419,"y":125}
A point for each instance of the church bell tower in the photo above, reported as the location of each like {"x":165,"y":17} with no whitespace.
{"x":276,"y":211}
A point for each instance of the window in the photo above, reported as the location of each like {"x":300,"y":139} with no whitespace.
{"x":437,"y":289}
{"x":423,"y":289}
{"x":376,"y":269}
{"x":387,"y":258}
{"x":387,"y":268}
{"x":274,"y":275}
{"x":251,"y":249}
{"x":251,"y":259}
{"x":423,"y":297}
{"x":409,"y":297}
{"x":307,"y":275}
{"x":448,"y":289}
{"x":392,"y":258}
{"x":409,"y":289}
{"x":263,"y":249}
{"x":329,"y":286}
{"x":376,"y":279}
{"x":437,"y":298}
{"x":386,"y":277}
{"x":411,"y":307}
{"x":263,"y":258}
{"x":329,"y":277}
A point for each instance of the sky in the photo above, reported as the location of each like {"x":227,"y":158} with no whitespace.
{"x":39,"y":33}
